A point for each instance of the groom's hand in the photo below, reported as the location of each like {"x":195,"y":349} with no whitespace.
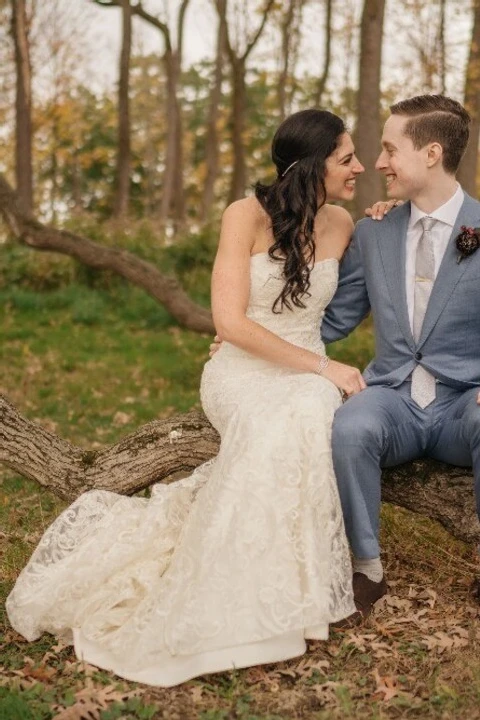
{"x":381,"y":208}
{"x":215,"y":346}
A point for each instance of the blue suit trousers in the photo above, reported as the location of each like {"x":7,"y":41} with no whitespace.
{"x":382,"y":427}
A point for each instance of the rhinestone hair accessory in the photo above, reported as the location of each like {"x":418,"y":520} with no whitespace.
{"x":289,"y":168}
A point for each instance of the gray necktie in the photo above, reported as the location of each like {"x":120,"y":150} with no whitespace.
{"x":423,"y":384}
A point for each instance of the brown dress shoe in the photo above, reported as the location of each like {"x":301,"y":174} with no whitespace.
{"x":352,"y":621}
{"x":475,"y":589}
{"x":366,"y":592}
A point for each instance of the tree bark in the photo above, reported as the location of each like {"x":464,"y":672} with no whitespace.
{"x":166,"y":290}
{"x":368,"y":132}
{"x":23,"y":106}
{"x":122,"y":195}
{"x":239,"y":110}
{"x":467,"y":175}
{"x":164,"y":448}
{"x":173,"y":191}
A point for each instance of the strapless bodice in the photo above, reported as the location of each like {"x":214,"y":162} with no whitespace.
{"x":300,"y":326}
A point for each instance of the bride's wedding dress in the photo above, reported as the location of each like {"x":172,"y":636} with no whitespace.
{"x":233,"y":566}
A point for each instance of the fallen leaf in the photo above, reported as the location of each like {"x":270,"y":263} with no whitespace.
{"x":386,"y":686}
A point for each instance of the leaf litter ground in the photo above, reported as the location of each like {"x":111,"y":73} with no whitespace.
{"x":418,"y":656}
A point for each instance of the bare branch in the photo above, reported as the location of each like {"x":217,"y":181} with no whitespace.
{"x":107,"y":3}
{"x":257,"y":35}
{"x":156,"y":22}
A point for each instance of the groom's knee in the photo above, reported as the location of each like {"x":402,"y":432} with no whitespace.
{"x":356,"y":427}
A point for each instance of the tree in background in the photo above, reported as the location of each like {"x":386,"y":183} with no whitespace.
{"x":368,"y":129}
{"x":469,"y":166}
{"x":322,"y":81}
{"x":290,"y":34}
{"x":173,"y":197}
{"x":212,"y":152}
{"x":122,"y":194}
{"x":23,"y":104}
{"x":239,"y":43}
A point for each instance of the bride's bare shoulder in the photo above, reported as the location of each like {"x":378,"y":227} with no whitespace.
{"x":340,"y":218}
{"x":248,"y":209}
{"x":248,"y":217}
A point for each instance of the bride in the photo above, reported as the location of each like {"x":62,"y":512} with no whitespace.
{"x":240,"y":562}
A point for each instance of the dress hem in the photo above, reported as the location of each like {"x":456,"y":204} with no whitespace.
{"x":169,"y":670}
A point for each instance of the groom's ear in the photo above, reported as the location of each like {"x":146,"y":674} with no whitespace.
{"x":434,"y":154}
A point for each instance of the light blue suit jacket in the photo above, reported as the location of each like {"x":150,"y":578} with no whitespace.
{"x":372,"y":278}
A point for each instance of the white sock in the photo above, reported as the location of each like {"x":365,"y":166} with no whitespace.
{"x":373,"y":569}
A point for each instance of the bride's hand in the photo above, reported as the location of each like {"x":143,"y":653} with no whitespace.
{"x":348,"y":379}
{"x":381,"y":208}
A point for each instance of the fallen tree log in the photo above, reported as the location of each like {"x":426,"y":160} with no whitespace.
{"x":164,"y":288}
{"x":177,"y":445}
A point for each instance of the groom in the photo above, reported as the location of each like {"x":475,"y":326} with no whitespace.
{"x":423,"y":388}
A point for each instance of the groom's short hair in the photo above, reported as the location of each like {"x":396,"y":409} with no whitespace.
{"x":436,"y":118}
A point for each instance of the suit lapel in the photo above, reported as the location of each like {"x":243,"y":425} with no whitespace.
{"x":391,"y":237}
{"x":450,"y":271}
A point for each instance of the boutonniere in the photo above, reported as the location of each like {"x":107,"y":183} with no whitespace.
{"x":467,"y":242}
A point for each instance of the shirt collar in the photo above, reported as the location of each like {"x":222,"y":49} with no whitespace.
{"x":446,"y":213}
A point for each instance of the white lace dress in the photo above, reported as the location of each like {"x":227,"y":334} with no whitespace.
{"x":233,"y":566}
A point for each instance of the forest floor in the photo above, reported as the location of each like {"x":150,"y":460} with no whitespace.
{"x":93,"y":368}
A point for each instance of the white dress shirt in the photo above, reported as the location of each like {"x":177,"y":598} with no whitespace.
{"x":446,"y":214}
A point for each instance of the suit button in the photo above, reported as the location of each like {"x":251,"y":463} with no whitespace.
{"x":418,"y":356}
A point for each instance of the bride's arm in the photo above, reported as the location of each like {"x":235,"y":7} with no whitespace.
{"x":230,"y":295}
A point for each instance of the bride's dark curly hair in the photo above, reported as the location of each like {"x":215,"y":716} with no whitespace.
{"x":300,"y":148}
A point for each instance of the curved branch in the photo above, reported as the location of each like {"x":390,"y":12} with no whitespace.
{"x":163,"y":288}
{"x":156,"y":22}
{"x":162,"y":448}
{"x":257,"y":35}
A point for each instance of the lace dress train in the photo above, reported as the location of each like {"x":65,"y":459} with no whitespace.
{"x":233,"y":566}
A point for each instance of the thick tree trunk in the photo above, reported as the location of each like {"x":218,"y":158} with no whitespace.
{"x":239,"y":103}
{"x":173,"y":190}
{"x":467,"y":175}
{"x":122,"y":194}
{"x":165,"y":289}
{"x":23,"y":106}
{"x":211,"y":142}
{"x":368,"y":132}
{"x":169,"y":199}
{"x":175,"y":446}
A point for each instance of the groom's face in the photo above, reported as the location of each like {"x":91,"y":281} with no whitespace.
{"x":404,"y":167}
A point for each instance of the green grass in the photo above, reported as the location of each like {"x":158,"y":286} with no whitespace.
{"x":78,"y":356}
{"x":94,"y":363}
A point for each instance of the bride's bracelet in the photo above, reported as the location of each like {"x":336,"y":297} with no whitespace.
{"x":322,"y":364}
